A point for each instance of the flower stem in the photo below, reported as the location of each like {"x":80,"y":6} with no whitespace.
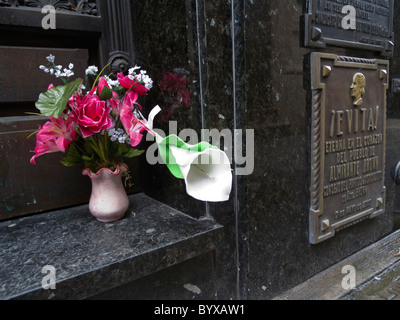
{"x":83,"y":152}
{"x":96,"y":147}
{"x":106,"y":143}
{"x":101,"y":149}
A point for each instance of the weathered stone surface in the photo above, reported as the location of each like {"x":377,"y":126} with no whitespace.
{"x":90,"y":257}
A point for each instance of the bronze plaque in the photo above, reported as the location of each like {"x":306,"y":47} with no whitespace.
{"x":365,"y":24}
{"x":348,"y":140}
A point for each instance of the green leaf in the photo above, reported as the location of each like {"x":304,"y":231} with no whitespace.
{"x":105,"y":94}
{"x":88,"y":147}
{"x":119,"y":88}
{"x":87,"y":158}
{"x":73,"y":158}
{"x":54,"y":101}
{"x":168,"y":157}
{"x":128,"y":152}
{"x":133,"y":153}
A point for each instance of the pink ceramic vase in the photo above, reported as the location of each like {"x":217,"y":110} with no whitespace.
{"x":108,"y":201}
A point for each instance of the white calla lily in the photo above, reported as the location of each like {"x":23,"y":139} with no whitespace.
{"x":205,"y":168}
{"x":207,"y":174}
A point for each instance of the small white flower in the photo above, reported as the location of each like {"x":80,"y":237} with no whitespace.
{"x":67,"y":73}
{"x":114,"y":83}
{"x":143,"y":77}
{"x":50,"y":58}
{"x":80,"y":89}
{"x":42,"y":67}
{"x":71,"y":66}
{"x":132,"y":70}
{"x":111,"y":83}
{"x":91,"y":70}
{"x":147,"y":81}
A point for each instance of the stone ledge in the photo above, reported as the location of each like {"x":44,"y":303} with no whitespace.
{"x":384,"y":286}
{"x":91,"y":257}
{"x":367,"y":262}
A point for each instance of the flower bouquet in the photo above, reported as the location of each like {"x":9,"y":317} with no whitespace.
{"x":100,"y":128}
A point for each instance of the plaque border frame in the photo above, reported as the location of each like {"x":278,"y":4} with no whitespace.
{"x":316,"y":235}
{"x":313,"y":37}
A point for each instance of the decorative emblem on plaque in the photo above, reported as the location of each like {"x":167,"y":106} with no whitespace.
{"x":348,"y":140}
{"x":358,"y":88}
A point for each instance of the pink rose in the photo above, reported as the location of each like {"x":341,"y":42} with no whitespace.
{"x":92,"y":116}
{"x":75,"y":100}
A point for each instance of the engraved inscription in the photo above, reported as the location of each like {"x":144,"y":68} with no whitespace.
{"x":354,"y":23}
{"x":349,"y":168}
{"x":367,"y":12}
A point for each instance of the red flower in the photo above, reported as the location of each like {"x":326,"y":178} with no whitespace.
{"x":56,"y":135}
{"x":75,"y":100}
{"x":185,"y":97}
{"x":132,"y":125}
{"x":92,"y":116}
{"x":130,"y":82}
{"x":131,"y":98}
{"x":104,"y":91}
{"x":115,"y":103}
{"x":173,"y":82}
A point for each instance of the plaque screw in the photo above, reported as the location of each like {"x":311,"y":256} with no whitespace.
{"x":389,"y":45}
{"x":316,"y":34}
{"x":325,"y":225}
{"x":379,"y":202}
{"x":326,"y":71}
